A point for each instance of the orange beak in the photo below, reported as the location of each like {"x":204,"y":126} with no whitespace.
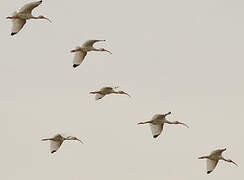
{"x":183,"y":124}
{"x":127,"y":94}
{"x":47,"y":19}
{"x":79,"y":140}
{"x":234,"y":163}
{"x":107,"y":51}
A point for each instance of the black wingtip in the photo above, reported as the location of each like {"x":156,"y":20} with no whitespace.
{"x":155,"y":136}
{"x":209,"y":172}
{"x":75,"y":65}
{"x":13,"y":33}
{"x":53,"y":151}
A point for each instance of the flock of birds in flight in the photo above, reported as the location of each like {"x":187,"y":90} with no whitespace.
{"x":158,"y":120}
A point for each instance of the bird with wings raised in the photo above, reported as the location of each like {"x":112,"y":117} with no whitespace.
{"x":107,"y":90}
{"x":25,"y":13}
{"x":157,"y":123}
{"x":57,"y":140}
{"x":81,"y":51}
{"x":213,"y":159}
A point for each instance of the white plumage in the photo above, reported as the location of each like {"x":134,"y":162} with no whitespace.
{"x":79,"y":56}
{"x":211,"y":164}
{"x":99,"y":96}
{"x":156,"y":129}
{"x":19,"y":18}
{"x":157,"y":123}
{"x":17,"y":24}
{"x":81,"y":51}
{"x":55,"y":145}
{"x":213,"y":159}
{"x":107,"y":90}
{"x":57,"y":140}
{"x":27,"y":8}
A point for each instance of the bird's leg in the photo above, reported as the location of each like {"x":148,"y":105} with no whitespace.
{"x":203,"y":157}
{"x":94,"y":92}
{"x":75,"y":50}
{"x":144,"y":122}
{"x":12,"y":17}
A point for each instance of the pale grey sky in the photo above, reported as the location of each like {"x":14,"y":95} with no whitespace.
{"x":183,"y":56}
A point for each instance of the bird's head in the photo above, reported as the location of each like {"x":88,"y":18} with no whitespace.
{"x":122,"y":92}
{"x":75,"y":138}
{"x":102,"y":49}
{"x":43,"y":17}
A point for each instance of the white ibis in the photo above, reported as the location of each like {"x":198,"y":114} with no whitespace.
{"x":19,"y":18}
{"x":157,"y":123}
{"x":213,"y":159}
{"x":81,"y":51}
{"x":107,"y":90}
{"x":57,"y":141}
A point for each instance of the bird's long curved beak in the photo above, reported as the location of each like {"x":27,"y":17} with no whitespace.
{"x":107,"y":51}
{"x":127,"y":94}
{"x":235,"y":163}
{"x":183,"y":124}
{"x":79,"y":141}
{"x":47,"y":19}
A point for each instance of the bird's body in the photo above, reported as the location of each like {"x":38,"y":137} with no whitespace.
{"x":25,"y":13}
{"x":157,"y":123}
{"x":107,"y":90}
{"x":213,"y":159}
{"x":57,"y":140}
{"x":81,"y":51}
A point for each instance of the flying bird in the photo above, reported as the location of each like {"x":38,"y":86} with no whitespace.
{"x":107,"y":90}
{"x":81,"y":51}
{"x":213,"y":159}
{"x":19,"y":18}
{"x":157,"y":123}
{"x":57,"y":140}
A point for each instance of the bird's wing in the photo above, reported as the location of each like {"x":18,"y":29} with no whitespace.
{"x":99,"y":96}
{"x":78,"y":58}
{"x":157,"y":116}
{"x":217,"y":152}
{"x":211,"y":164}
{"x":106,"y":89}
{"x":17,"y":25}
{"x":90,"y":43}
{"x":156,"y":129}
{"x":55,"y":145}
{"x":27,"y":8}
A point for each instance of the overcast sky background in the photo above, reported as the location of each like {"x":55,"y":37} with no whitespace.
{"x":180,"y":56}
